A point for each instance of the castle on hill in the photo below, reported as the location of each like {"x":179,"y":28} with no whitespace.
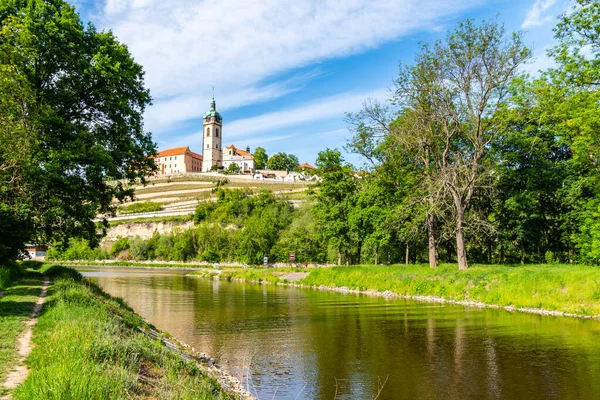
{"x":214,"y":156}
{"x":182,"y":160}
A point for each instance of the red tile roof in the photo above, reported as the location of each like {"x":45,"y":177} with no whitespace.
{"x":173,"y":152}
{"x":196,"y":155}
{"x":306,"y":165}
{"x":239,"y":152}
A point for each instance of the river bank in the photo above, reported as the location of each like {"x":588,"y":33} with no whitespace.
{"x":88,"y":344}
{"x":558,"y":290}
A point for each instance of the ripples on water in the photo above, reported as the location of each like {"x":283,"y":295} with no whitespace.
{"x":291,"y":342}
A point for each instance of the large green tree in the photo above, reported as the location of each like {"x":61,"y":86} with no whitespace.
{"x":77,"y":115}
{"x":451,"y":97}
{"x":260,"y":158}
{"x":283,"y":162}
{"x":334,"y":201}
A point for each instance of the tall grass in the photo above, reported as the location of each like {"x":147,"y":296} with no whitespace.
{"x":87,"y":346}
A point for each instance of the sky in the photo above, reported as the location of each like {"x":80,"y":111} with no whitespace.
{"x":285,"y":72}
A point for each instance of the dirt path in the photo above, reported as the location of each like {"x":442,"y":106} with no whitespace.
{"x":19,"y":373}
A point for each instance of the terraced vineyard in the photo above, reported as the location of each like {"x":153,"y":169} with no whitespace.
{"x":179,"y":195}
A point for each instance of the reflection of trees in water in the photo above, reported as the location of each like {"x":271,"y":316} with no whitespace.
{"x":295,"y":337}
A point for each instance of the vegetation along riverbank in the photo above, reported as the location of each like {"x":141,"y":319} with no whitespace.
{"x":90,"y":345}
{"x":547,"y":289}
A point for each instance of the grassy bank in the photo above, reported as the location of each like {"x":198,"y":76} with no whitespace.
{"x":88,"y":346}
{"x":563,"y":288}
{"x":16,"y":305}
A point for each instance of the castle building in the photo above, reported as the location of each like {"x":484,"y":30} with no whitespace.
{"x":183,"y":160}
{"x":179,"y":160}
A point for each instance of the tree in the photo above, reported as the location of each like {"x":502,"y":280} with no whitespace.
{"x":283,"y":162}
{"x":572,"y":96}
{"x":233,"y":168}
{"x":334,"y":200}
{"x":82,"y":101}
{"x":260,"y":158}
{"x":451,"y":97}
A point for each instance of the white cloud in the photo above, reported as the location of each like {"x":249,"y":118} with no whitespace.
{"x":190,"y":45}
{"x":537,"y":14}
{"x":264,"y":128}
{"x":329,"y":107}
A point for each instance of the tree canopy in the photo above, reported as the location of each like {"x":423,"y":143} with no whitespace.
{"x":71,"y":101}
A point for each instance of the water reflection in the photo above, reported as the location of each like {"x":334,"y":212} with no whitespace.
{"x":288,"y":341}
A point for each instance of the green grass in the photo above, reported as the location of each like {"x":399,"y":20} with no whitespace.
{"x":146,"y":206}
{"x":87,"y":346}
{"x":565,"y":288}
{"x":175,"y":219}
{"x":15,"y":307}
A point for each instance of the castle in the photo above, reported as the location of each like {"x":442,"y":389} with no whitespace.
{"x":214,"y":155}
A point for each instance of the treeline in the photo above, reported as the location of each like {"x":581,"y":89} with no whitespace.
{"x":240,"y":226}
{"x":473,"y":160}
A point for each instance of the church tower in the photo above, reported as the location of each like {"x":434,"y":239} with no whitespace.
{"x":211,"y":143}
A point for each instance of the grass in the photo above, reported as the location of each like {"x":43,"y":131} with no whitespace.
{"x":174,"y":219}
{"x":87,"y":346}
{"x":564,"y":288}
{"x":15,"y":307}
{"x":146,"y":206}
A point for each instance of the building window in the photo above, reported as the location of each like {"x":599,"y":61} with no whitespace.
{"x":207,"y":146}
{"x":217,"y":132}
{"x":216,"y":146}
{"x":208,"y":131}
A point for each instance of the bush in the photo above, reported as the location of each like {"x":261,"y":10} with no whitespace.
{"x":146,"y":206}
{"x":139,"y":249}
{"x":120,"y":245}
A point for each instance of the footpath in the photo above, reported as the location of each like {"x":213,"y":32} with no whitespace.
{"x":13,"y":306}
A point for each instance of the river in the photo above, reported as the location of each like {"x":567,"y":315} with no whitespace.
{"x":289,"y":343}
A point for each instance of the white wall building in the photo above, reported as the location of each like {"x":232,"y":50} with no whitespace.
{"x":233,"y":155}
{"x":179,"y":160}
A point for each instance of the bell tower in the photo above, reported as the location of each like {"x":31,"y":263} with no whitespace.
{"x":211,"y":138}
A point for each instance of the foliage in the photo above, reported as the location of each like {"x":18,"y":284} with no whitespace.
{"x":283,"y":162}
{"x":71,"y":115}
{"x":120,"y":245}
{"x":260,"y":158}
{"x":146,"y":206}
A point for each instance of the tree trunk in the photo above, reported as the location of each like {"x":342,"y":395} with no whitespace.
{"x":339,"y":257}
{"x":501,"y":254}
{"x":571,"y":253}
{"x":407,"y":254}
{"x":522,"y":254}
{"x":461,"y":251}
{"x":376,"y":256}
{"x":433,"y":262}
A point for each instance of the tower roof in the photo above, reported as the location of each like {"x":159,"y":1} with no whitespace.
{"x":212,"y":112}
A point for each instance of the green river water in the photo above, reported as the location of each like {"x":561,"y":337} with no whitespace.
{"x":288,"y":343}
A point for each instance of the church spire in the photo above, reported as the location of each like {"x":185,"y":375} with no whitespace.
{"x":212,"y":112}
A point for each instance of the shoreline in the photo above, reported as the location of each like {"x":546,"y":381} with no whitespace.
{"x":393,"y":295}
{"x":90,"y":327}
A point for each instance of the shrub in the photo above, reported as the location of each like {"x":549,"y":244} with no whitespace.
{"x":120,"y":245}
{"x":146,"y":206}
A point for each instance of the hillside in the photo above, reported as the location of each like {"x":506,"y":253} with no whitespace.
{"x":164,"y":198}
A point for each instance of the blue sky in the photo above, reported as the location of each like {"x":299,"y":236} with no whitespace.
{"x":286,"y":71}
